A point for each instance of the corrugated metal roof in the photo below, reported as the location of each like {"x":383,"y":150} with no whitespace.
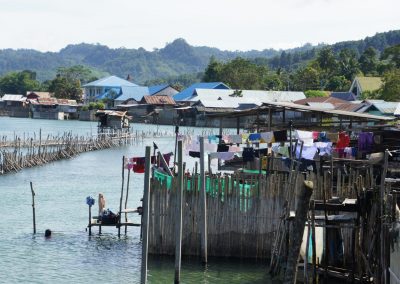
{"x":12,"y":97}
{"x":350,"y":106}
{"x":155,"y":89}
{"x":110,"y":81}
{"x":347,"y":96}
{"x":40,"y":94}
{"x":246,"y":96}
{"x":135,"y":93}
{"x":188,"y":92}
{"x":331,"y":100}
{"x":386,"y":107}
{"x":397,"y":110}
{"x":158,"y":100}
{"x":302,"y":108}
{"x":322,"y":105}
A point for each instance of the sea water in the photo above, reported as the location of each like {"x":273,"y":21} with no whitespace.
{"x":70,"y":255}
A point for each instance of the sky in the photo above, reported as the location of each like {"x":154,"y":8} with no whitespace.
{"x":49,"y":25}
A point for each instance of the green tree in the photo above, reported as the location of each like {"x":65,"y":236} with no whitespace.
{"x":306,"y":78}
{"x":348,"y":64}
{"x":19,"y":82}
{"x":338,"y":84}
{"x":315,"y":93}
{"x":393,"y":55}
{"x":76,"y":72}
{"x":213,"y":71}
{"x":66,"y":88}
{"x":327,"y":61}
{"x":390,"y":90}
{"x":369,"y":61}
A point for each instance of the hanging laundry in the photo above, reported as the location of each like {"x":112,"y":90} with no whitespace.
{"x":245,"y":137}
{"x":280,"y":136}
{"x":212,"y":139}
{"x":234,"y":149}
{"x":332,"y":137}
{"x":315,"y":135}
{"x":343,"y":140}
{"x":348,"y":153}
{"x":223,"y":148}
{"x":255,"y":137}
{"x":267,"y":137}
{"x":322,"y":137}
{"x":261,"y":152}
{"x":194,"y":154}
{"x":284,"y":151}
{"x":224,"y":156}
{"x":248,"y":154}
{"x":308,"y":152}
{"x":325,"y":148}
{"x":365,"y":142}
{"x":305,"y":136}
{"x":138,"y":164}
{"x":237,"y":139}
{"x":210,"y":147}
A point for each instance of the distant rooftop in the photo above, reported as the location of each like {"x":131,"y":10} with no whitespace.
{"x":188,"y":92}
{"x":110,"y":81}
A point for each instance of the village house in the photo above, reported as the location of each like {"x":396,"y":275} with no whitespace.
{"x":34,"y":95}
{"x":362,"y":84}
{"x":162,"y":90}
{"x":14,"y":105}
{"x":109,"y":87}
{"x":52,"y":108}
{"x":188,"y":92}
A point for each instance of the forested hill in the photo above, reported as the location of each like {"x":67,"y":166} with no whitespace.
{"x":176,"y":58}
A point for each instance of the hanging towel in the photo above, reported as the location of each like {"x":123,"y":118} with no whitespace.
{"x":248,"y":154}
{"x":307,"y":153}
{"x":267,"y":137}
{"x":255,"y":137}
{"x":237,"y":139}
{"x":280,"y":136}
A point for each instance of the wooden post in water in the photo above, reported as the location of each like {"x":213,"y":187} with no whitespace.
{"x":126,"y":200}
{"x":178,"y":227}
{"x":120,"y":199}
{"x":203,"y":197}
{"x":146,"y":214}
{"x":296,"y":238}
{"x":33,"y":209}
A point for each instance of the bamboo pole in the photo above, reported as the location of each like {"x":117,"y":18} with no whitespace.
{"x":178,"y":229}
{"x":121,"y":197}
{"x":203,"y":198}
{"x":33,"y":208}
{"x":146,"y":214}
{"x":126,"y":200}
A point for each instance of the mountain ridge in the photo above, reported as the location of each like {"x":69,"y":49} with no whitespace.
{"x":175,"y":59}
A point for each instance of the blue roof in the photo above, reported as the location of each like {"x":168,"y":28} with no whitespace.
{"x":188,"y":92}
{"x":111,"y":93}
{"x":135,"y":93}
{"x":155,"y":89}
{"x":347,"y":96}
{"x":110,"y":81}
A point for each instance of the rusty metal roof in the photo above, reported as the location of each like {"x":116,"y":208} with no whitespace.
{"x":158,"y":100}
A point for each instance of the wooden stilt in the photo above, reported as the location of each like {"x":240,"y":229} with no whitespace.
{"x":146,"y":214}
{"x":203,"y":196}
{"x":33,"y":209}
{"x":121,"y":197}
{"x":178,"y":232}
{"x":303,"y":203}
